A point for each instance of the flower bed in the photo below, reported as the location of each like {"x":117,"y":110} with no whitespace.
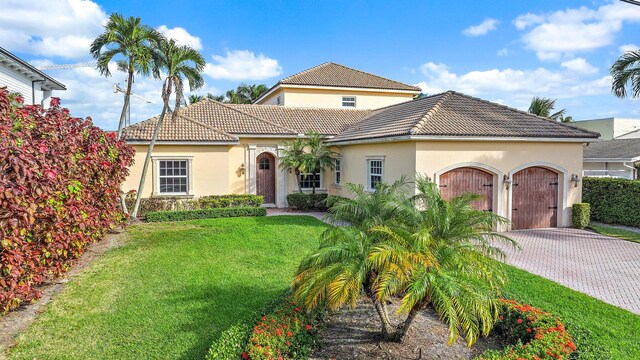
{"x":530,"y":334}
{"x":283,"y":331}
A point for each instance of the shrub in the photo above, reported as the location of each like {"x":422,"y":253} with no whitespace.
{"x":581,"y":215}
{"x":531,"y":334}
{"x":205,"y":202}
{"x":306,"y":202}
{"x":163,"y":216}
{"x":613,"y":201}
{"x":231,"y":343}
{"x":60,"y":180}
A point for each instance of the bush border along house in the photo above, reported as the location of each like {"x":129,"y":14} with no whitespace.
{"x":613,"y":201}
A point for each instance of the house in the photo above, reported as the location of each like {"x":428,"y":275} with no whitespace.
{"x":19,"y":76}
{"x":612,"y":158}
{"x":526,"y":167}
{"x":612,"y":128}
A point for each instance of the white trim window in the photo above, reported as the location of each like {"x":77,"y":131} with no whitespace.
{"x":173,"y":177}
{"x":375,"y":173}
{"x":337,"y":175}
{"x":279,"y":100}
{"x":307,"y":181}
{"x":349,"y":101}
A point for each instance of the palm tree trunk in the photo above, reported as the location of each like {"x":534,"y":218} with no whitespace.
{"x":402,"y":330}
{"x":145,"y":166}
{"x":298,"y":180}
{"x":127,"y":97}
{"x":387,"y":328}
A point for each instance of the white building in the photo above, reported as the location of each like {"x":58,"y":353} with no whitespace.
{"x":19,"y":76}
{"x":612,"y":128}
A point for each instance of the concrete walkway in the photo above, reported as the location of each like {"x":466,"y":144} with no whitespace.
{"x":278,"y":212}
{"x":600,"y":266}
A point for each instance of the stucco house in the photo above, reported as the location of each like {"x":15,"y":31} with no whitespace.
{"x":612,"y":158}
{"x":19,"y":76}
{"x":612,"y":127}
{"x":526,"y":167}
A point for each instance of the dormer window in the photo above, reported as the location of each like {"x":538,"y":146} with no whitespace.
{"x":348,"y":101}
{"x":278,"y":100}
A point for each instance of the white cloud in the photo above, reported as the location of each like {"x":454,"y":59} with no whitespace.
{"x":580,"y":65}
{"x":242,"y":65}
{"x":560,"y":33}
{"x":628,"y":47}
{"x":481,"y":29}
{"x":514,"y":87}
{"x":63,"y":28}
{"x":181,"y":36}
{"x":503,"y":52}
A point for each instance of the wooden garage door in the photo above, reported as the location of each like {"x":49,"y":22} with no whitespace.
{"x":534,"y":198}
{"x":468,"y":180}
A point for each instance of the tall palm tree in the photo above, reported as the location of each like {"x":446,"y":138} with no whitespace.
{"x":132,"y":44}
{"x":544,"y":107}
{"x":179,"y":63}
{"x":626,"y":70}
{"x":318,"y":156}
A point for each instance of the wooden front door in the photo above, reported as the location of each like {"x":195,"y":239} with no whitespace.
{"x":266,"y":177}
{"x":534,"y":198}
{"x":465,"y":180}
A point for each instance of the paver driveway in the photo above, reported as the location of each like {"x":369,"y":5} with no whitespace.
{"x":603,"y":267}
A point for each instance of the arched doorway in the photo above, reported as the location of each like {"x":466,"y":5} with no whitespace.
{"x":266,"y":177}
{"x":534,"y":198}
{"x":465,"y":180}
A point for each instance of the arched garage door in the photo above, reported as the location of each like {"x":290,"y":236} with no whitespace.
{"x":534,"y":198}
{"x":468,"y":180}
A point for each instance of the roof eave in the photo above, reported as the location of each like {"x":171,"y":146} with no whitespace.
{"x":456,"y":138}
{"x":635,"y":159}
{"x":181,"y":142}
{"x":51,"y":83}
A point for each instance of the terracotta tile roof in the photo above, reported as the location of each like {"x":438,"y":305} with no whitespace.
{"x":323,"y":121}
{"x":332,"y":74}
{"x":181,"y":129}
{"x":459,"y":115}
{"x":623,"y":149}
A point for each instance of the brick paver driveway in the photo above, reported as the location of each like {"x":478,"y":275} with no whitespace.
{"x":603,"y":267}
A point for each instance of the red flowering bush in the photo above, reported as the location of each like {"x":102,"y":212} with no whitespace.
{"x":287,"y":332}
{"x":530,"y":334}
{"x":59,"y":192}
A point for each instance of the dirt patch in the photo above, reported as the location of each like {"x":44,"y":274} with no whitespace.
{"x":355,"y":334}
{"x":17,"y":321}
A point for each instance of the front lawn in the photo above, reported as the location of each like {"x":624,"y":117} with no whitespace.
{"x":171,"y":290}
{"x":615,"y":232}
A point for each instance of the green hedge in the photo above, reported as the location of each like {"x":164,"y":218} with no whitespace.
{"x":613,"y":201}
{"x":205,"y":202}
{"x":162,"y":216}
{"x":581,"y":215}
{"x":306,"y":202}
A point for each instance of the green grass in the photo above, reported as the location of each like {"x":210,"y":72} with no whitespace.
{"x":171,"y":290}
{"x":600,"y":330}
{"x":616,"y":232}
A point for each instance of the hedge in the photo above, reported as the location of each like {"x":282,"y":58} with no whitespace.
{"x":59,"y":181}
{"x":306,"y":202}
{"x":205,"y":202}
{"x":612,"y":200}
{"x":581,"y":215}
{"x":163,"y":216}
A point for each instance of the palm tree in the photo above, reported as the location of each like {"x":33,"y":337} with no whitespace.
{"x":544,"y":107}
{"x":318,"y":156}
{"x":218,"y":98}
{"x":195,"y":98}
{"x":133,"y":43}
{"x":626,"y":70}
{"x":179,"y":63}
{"x":293,"y":156}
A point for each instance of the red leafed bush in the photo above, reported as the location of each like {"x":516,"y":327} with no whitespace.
{"x":59,"y":192}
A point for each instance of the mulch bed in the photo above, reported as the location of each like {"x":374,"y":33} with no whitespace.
{"x":355,"y":334}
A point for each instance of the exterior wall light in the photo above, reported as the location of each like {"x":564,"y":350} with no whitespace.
{"x":507,"y":181}
{"x":575,"y":179}
{"x":243,"y":169}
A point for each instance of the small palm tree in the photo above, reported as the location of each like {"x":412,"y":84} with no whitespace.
{"x":180,"y":63}
{"x":318,"y":156}
{"x":544,"y":107}
{"x":293,"y":156}
{"x":195,"y":98}
{"x":624,"y":71}
{"x":133,"y":43}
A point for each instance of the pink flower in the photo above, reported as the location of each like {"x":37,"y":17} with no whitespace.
{"x":50,"y":174}
{"x":519,"y":321}
{"x":43,"y":148}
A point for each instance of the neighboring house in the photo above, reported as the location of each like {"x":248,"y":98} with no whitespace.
{"x":19,"y":76}
{"x":331,"y":85}
{"x":526,"y":167}
{"x":612,"y":158}
{"x":612,"y":128}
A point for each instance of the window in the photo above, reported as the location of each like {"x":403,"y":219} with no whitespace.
{"x":348,"y":101}
{"x":338,"y":172}
{"x":374,"y":173}
{"x":264,"y":164}
{"x":307,"y":181}
{"x":173,"y":176}
{"x":279,"y":100}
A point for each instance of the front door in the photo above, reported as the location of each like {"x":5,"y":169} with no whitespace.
{"x":266,"y":177}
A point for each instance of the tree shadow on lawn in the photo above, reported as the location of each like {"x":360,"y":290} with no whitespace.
{"x":213,"y":309}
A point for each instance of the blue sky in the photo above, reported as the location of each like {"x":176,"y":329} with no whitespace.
{"x":504,"y":51}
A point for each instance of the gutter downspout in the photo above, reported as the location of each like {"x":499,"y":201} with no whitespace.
{"x":632,"y":168}
{"x":33,"y":90}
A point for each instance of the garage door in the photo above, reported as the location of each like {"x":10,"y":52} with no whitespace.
{"x":534,"y":198}
{"x":468,"y":180}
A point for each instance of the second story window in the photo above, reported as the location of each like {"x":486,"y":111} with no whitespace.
{"x":279,"y":100}
{"x":348,"y":101}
